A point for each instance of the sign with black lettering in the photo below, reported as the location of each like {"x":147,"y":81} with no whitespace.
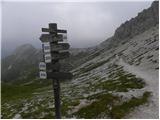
{"x":42,"y":66}
{"x":47,"y":58}
{"x":50,"y":47}
{"x":43,"y":75}
{"x":46,"y":47}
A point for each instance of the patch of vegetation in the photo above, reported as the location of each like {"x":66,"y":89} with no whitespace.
{"x":41,"y":112}
{"x":107,"y":104}
{"x":11,"y":92}
{"x":67,"y":106}
{"x":75,"y":102}
{"x":96,"y":108}
{"x":120,"y":111}
{"x":122,"y":83}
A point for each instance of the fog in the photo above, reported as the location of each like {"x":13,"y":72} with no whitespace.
{"x":87,"y":23}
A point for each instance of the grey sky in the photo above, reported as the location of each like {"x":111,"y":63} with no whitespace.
{"x":87,"y":24}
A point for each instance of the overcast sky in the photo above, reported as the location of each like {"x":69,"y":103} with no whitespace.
{"x":87,"y":24}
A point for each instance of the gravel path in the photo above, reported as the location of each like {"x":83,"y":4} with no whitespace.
{"x":150,"y":111}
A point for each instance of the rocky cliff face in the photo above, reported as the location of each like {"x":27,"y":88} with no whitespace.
{"x":143,"y":21}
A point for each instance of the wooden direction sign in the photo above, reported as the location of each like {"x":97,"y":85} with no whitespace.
{"x":51,"y":38}
{"x":55,"y":56}
{"x":59,"y":46}
{"x":60,"y":75}
{"x":53,"y":51}
{"x":48,"y":66}
{"x":53,"y":30}
{"x":50,"y":47}
{"x":55,"y":75}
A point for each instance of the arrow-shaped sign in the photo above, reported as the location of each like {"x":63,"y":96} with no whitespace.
{"x":51,"y":38}
{"x":53,"y":30}
{"x":49,"y":66}
{"x":59,"y":46}
{"x":50,"y":47}
{"x":55,"y":75}
{"x":55,"y":56}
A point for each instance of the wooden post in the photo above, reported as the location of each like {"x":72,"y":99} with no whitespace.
{"x":56,"y":83}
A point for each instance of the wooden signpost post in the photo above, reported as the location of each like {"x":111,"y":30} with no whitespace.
{"x":52,"y":53}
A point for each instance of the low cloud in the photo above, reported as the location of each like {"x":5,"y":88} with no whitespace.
{"x":87,"y":24}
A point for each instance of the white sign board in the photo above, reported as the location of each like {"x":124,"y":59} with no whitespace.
{"x":43,"y":75}
{"x":46,"y":47}
{"x":47,"y":58}
{"x":65,"y":36}
{"x":42,"y":66}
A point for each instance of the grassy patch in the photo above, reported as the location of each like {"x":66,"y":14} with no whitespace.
{"x":107,"y":104}
{"x":75,"y":102}
{"x":122,"y":83}
{"x":120,"y":111}
{"x":41,"y":112}
{"x":11,"y":92}
{"x":97,"y":107}
{"x":67,"y":106}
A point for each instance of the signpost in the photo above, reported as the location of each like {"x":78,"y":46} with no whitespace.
{"x":53,"y":51}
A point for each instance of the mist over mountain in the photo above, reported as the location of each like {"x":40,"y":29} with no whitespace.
{"x":87,"y":24}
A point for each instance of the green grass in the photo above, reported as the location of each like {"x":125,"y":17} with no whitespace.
{"x":120,"y":111}
{"x":67,"y":106}
{"x":121,"y":82}
{"x":38,"y":113}
{"x":97,"y":107}
{"x":107,"y":104}
{"x":11,"y":92}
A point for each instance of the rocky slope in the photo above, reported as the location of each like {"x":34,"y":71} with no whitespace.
{"x":116,"y":79}
{"x":23,"y":59}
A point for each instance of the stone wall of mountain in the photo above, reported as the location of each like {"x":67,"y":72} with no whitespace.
{"x":145,"y":19}
{"x":142,"y":22}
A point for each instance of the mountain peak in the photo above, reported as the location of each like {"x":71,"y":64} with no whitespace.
{"x":23,"y":49}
